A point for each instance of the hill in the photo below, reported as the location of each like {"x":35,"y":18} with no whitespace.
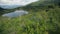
{"x":40,"y":20}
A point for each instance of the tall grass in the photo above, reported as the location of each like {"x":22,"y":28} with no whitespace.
{"x":39,"y":22}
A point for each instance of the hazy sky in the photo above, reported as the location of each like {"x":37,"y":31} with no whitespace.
{"x":18,"y":2}
{"x":8,"y":4}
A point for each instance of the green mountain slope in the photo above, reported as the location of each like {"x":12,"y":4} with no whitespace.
{"x":36,"y":22}
{"x":43,"y":18}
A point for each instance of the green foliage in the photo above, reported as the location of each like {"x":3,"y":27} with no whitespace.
{"x":42,"y":19}
{"x":36,"y":22}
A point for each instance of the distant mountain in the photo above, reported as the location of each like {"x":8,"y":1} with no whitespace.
{"x":45,"y":2}
{"x":39,"y":3}
{"x":1,"y":9}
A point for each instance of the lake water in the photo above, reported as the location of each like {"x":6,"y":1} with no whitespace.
{"x":15,"y":13}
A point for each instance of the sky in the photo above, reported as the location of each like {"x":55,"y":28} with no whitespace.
{"x":8,"y":4}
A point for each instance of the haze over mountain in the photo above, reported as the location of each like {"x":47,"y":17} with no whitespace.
{"x":10,"y":4}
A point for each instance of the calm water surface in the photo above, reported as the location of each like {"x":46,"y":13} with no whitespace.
{"x":15,"y":13}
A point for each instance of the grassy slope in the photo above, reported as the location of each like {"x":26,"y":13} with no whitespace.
{"x":36,"y":22}
{"x":40,"y":20}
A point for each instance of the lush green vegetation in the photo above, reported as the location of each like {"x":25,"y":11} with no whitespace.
{"x":40,"y":20}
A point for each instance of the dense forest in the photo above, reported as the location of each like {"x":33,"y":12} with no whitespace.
{"x":43,"y":18}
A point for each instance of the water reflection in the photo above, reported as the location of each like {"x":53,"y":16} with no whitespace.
{"x":15,"y":13}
